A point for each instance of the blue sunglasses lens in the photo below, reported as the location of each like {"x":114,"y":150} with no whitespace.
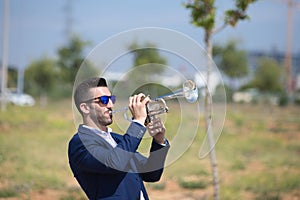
{"x":105,"y":99}
{"x":113,"y":98}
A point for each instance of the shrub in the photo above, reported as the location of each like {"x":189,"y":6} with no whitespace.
{"x":193,"y":182}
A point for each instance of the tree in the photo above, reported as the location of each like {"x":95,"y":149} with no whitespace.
{"x":70,"y":58}
{"x":47,"y":76}
{"x":203,"y":14}
{"x":146,"y":62}
{"x":232,"y":61}
{"x":268,"y":76}
{"x":147,"y":53}
{"x":41,"y":76}
{"x":12,"y":77}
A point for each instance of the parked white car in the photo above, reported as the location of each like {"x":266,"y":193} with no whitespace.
{"x":19,"y":99}
{"x":246,"y":96}
{"x":22,"y":99}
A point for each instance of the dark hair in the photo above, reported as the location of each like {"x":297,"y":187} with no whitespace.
{"x":82,"y":91}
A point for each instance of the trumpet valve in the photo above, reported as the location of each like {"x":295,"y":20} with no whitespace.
{"x":156,"y":107}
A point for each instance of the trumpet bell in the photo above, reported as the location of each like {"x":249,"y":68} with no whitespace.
{"x":190,"y":91}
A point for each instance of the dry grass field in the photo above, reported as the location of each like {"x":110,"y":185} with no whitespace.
{"x":258,"y":156}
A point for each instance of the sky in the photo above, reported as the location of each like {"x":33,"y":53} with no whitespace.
{"x":37,"y":28}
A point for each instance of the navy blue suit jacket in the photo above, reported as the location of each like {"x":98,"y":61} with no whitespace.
{"x":104,"y":172}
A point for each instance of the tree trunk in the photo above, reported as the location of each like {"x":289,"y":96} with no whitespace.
{"x":208,"y":117}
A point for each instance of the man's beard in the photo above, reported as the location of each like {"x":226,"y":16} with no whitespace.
{"x":102,"y":119}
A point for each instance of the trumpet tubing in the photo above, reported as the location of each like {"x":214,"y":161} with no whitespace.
{"x":189,"y":91}
{"x":158,"y":106}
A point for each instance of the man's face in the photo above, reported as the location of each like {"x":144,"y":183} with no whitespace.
{"x":100,"y":112}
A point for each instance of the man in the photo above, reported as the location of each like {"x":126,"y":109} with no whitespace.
{"x":106,"y":164}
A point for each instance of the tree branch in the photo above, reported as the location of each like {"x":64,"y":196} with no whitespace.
{"x":217,"y":30}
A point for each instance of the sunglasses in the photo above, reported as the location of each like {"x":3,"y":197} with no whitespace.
{"x":104,"y":99}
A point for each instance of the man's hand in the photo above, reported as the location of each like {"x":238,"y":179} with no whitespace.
{"x":157,"y":130}
{"x":137,"y":106}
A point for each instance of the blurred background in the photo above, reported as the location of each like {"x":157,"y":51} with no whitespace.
{"x":43,"y":45}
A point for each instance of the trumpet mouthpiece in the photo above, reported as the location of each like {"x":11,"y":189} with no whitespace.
{"x":118,"y":110}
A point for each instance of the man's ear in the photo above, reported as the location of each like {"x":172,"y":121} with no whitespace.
{"x":84,"y":108}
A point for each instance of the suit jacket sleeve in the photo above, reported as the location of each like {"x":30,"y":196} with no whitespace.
{"x":151,"y":168}
{"x":92,"y":154}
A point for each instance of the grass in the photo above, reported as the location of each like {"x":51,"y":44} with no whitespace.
{"x":257,"y":153}
{"x":33,"y":148}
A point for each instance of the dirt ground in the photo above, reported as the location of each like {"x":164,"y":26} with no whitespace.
{"x":171,"y":191}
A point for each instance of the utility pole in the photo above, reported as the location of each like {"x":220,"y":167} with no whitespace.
{"x":288,"y":54}
{"x":68,"y":20}
{"x":4,"y":56}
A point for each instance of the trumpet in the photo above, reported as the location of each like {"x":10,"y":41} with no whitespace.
{"x":159,"y":106}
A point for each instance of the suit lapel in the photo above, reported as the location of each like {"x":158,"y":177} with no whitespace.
{"x":86,"y":134}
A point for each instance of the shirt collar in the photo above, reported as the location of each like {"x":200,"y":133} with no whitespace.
{"x":109,"y":130}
